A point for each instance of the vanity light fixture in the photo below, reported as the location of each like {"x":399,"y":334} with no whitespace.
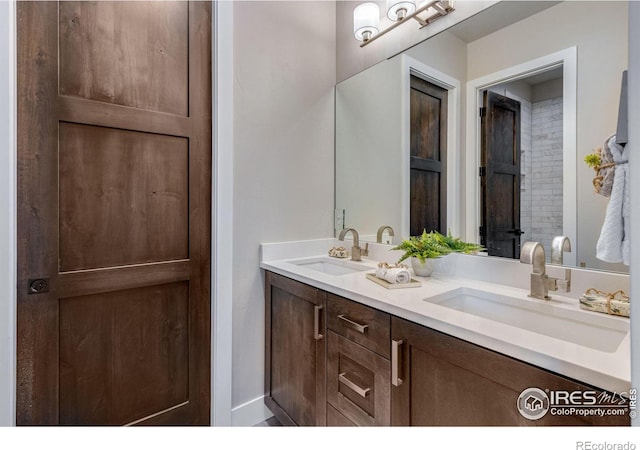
{"x":366,"y":17}
{"x":366,"y":20}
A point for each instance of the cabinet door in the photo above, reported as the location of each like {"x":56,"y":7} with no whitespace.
{"x":294,"y":351}
{"x":441,"y":380}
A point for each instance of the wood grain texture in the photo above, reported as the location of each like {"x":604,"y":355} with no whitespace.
{"x":37,"y":186}
{"x":123,"y":355}
{"x":77,"y":110}
{"x":87,"y":282}
{"x":366,"y":370}
{"x":500,"y":186}
{"x":335,"y":419}
{"x":124,"y":197}
{"x":447,"y":381}
{"x":428,"y":161}
{"x":375,"y":338}
{"x":127,"y":53}
{"x":294,"y":360}
{"x":157,"y":196}
{"x":425,"y":203}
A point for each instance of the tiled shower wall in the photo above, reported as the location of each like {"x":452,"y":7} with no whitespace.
{"x":525,"y":164}
{"x":546,"y":171}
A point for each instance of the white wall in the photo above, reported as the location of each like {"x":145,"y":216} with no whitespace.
{"x":601,"y":61}
{"x":369,"y":148}
{"x":7,"y":214}
{"x":284,"y":71}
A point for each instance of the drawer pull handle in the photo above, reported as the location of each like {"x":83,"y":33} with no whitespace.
{"x":354,"y":325}
{"x":395,"y":363}
{"x":354,"y":387}
{"x":317,"y":309}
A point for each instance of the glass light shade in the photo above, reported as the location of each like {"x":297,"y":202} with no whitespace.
{"x":395,"y":7}
{"x":366,"y":20}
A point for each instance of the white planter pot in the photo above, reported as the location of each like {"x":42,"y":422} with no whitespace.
{"x":423,"y":269}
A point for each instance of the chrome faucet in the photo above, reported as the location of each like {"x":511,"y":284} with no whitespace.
{"x":381,"y":230}
{"x":559,"y":245}
{"x":356,"y":251}
{"x":533,"y":253}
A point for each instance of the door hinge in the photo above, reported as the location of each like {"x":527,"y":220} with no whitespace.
{"x":483,"y":111}
{"x":482,"y":171}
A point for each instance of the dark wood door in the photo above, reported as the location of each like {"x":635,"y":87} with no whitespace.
{"x":114,"y":195}
{"x":295,"y":336}
{"x":500,"y":176}
{"x":428,"y":163}
{"x":449,"y":382}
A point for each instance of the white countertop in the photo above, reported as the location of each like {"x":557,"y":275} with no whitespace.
{"x":606,"y":370}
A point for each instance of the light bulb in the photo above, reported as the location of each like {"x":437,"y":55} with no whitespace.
{"x":366,"y":20}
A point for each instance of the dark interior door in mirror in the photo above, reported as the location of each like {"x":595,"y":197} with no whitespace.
{"x":500,"y":175}
{"x":428,"y":162}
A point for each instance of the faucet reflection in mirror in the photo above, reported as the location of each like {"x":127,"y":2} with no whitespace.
{"x":366,"y":17}
{"x":381,"y":230}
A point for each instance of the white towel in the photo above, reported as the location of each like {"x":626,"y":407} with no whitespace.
{"x":381,"y":271}
{"x":613,"y":244}
{"x":397,"y":275}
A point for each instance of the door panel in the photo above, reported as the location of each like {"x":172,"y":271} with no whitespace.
{"x":428,"y":157}
{"x":500,"y":180}
{"x":123,"y":355}
{"x":423,"y":185}
{"x":124,"y":197}
{"x":105,"y":47}
{"x":114,"y":194}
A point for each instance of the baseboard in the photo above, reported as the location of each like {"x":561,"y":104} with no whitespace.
{"x":250,"y":413}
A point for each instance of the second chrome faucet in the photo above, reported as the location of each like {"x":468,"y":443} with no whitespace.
{"x":541,"y":282}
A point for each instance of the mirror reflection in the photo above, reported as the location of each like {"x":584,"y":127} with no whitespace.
{"x":482,"y":132}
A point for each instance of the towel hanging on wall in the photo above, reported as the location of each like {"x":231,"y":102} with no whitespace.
{"x":613,"y":244}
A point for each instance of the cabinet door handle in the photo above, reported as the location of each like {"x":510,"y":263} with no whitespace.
{"x":317,"y":309}
{"x":362,"y":392}
{"x":395,"y":363}
{"x":354,"y":325}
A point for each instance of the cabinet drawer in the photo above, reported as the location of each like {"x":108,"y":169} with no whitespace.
{"x":335,"y":419}
{"x":358,"y":382}
{"x":359,"y":323}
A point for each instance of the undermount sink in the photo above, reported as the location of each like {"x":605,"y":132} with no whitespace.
{"x":592,"y":330}
{"x":332,"y":266}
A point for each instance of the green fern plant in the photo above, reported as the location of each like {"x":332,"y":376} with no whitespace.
{"x":434,"y":245}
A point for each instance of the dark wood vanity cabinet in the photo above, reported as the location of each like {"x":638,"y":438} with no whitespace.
{"x":446,"y":381}
{"x":295,"y":347}
{"x":331,"y":361}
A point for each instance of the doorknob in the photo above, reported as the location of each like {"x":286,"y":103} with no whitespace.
{"x":517,"y":232}
{"x":38,"y":285}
